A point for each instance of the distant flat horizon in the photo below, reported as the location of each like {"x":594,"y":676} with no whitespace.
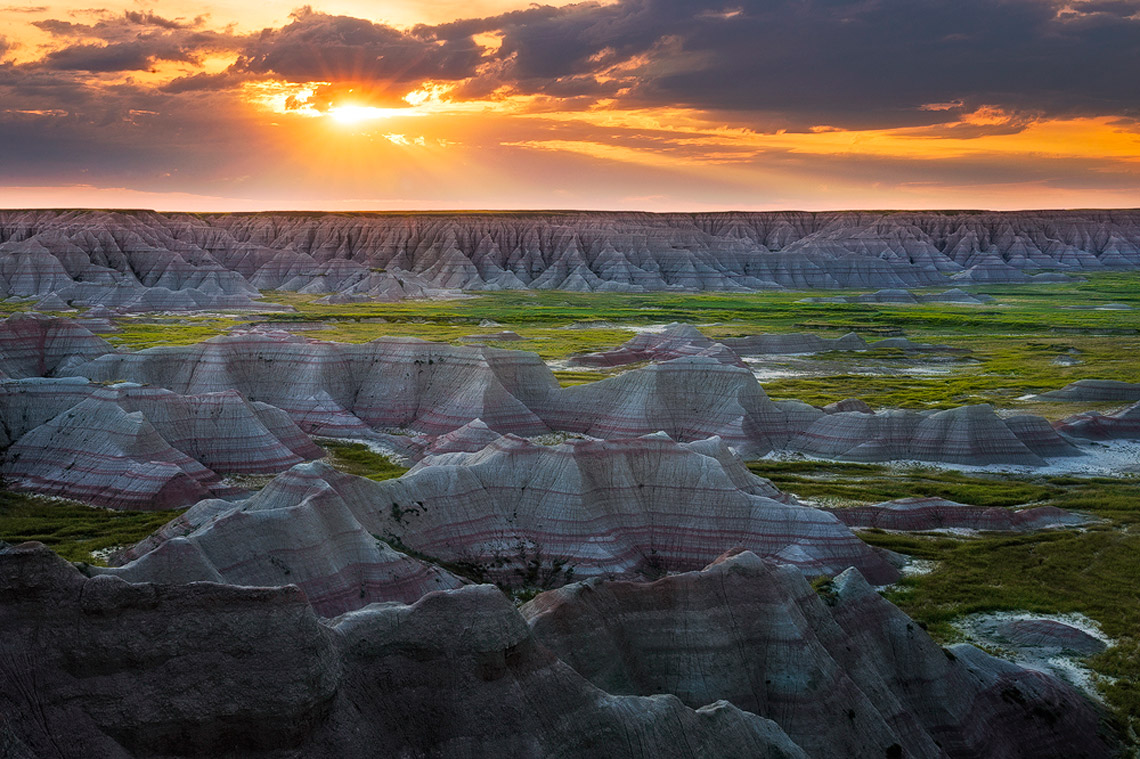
{"x":540,"y":211}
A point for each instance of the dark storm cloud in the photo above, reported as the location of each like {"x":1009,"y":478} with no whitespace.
{"x":1113,"y":7}
{"x":321,"y":47}
{"x":147,"y":18}
{"x":766,"y":63}
{"x":122,"y":56}
{"x":857,"y":63}
{"x":203,"y":82}
{"x":133,"y":41}
{"x":117,"y":28}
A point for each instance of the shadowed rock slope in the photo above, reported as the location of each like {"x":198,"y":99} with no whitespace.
{"x":847,"y":674}
{"x":101,"y":668}
{"x":147,"y":260}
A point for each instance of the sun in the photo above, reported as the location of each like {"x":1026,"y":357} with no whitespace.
{"x":354,"y":114}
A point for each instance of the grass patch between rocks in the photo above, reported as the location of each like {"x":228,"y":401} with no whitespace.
{"x":360,"y":460}
{"x":74,"y":530}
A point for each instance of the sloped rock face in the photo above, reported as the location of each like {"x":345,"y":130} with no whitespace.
{"x":971,"y":435}
{"x":207,"y":262}
{"x":100,"y":667}
{"x":774,"y":344}
{"x":460,"y":675}
{"x":127,"y":446}
{"x":516,"y":512}
{"x":470,"y":438}
{"x":1095,"y":391}
{"x":849,"y":676}
{"x":345,"y":390}
{"x":98,"y":452}
{"x":917,"y":514}
{"x":336,"y":388}
{"x":688,"y":399}
{"x":675,"y":341}
{"x":32,"y":345}
{"x":1123,"y":425}
{"x":128,"y":262}
{"x":432,"y":389}
{"x":1048,"y":634}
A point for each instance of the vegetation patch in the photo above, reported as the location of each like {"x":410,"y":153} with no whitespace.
{"x":139,"y":332}
{"x":841,"y":484}
{"x":360,"y":460}
{"x":75,"y":531}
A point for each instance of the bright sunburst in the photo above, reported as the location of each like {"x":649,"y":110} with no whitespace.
{"x":354,"y":114}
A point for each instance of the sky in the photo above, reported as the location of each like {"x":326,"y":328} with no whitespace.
{"x":655,"y":105}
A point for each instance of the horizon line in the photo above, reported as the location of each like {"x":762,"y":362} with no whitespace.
{"x":490,"y":211}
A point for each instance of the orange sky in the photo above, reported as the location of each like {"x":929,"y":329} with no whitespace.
{"x":324,"y":112}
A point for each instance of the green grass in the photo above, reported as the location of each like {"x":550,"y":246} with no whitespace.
{"x":847,"y":484}
{"x":144,"y":332}
{"x":74,"y":530}
{"x":1095,"y":571}
{"x":360,"y":460}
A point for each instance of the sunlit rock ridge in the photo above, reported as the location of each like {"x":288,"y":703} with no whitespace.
{"x":143,"y":260}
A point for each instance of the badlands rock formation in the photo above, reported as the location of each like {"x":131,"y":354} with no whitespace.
{"x":847,"y":674}
{"x":103,"y":669}
{"x":34,"y":345}
{"x":681,"y":340}
{"x":1096,"y":391}
{"x":688,"y":399}
{"x":431,"y":389}
{"x":518,"y":513}
{"x":1122,"y":425}
{"x":675,"y":341}
{"x":970,"y":435}
{"x":906,"y":297}
{"x":345,"y":390}
{"x":763,"y":345}
{"x":126,"y":446}
{"x":1047,"y":634}
{"x":919,"y":514}
{"x":87,"y":257}
{"x":359,"y":390}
